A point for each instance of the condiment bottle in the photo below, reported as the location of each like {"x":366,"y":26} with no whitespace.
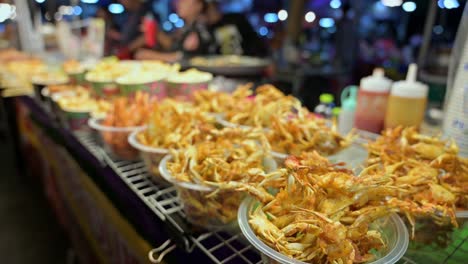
{"x":348,"y":109}
{"x":407,"y":101}
{"x":372,"y":102}
{"x":151,"y":28}
{"x":324,"y":108}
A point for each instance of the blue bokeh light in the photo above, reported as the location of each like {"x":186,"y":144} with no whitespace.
{"x":116,"y":8}
{"x":263,"y":31}
{"x":326,"y":22}
{"x":179,"y":24}
{"x":438,"y":29}
{"x":77,"y":10}
{"x":449,"y":4}
{"x":90,"y":1}
{"x":167,"y":26}
{"x":409,"y":6}
{"x":173,"y":17}
{"x":335,"y":4}
{"x":270,"y":17}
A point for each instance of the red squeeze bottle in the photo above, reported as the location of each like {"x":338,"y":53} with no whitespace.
{"x":372,"y":102}
{"x":151,"y":28}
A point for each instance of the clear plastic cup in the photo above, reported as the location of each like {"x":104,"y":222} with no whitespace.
{"x":393,"y":231}
{"x":201,"y":207}
{"x":151,"y":156}
{"x":114,"y":139}
{"x":184,"y":91}
{"x":155,"y":88}
{"x":74,"y":120}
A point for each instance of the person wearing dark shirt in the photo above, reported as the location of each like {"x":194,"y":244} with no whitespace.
{"x":131,"y":38}
{"x":233,"y":34}
{"x":209,"y":32}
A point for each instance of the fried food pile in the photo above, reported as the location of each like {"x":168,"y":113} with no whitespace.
{"x":323,"y":213}
{"x":7,"y":55}
{"x":212,"y":101}
{"x":223,"y":166}
{"x":73,"y":67}
{"x":305,"y":134}
{"x":175,"y":125}
{"x":81,"y":101}
{"x":226,"y":156}
{"x":127,"y":112}
{"x":259,"y":110}
{"x":427,"y":169}
{"x":125,"y":116}
{"x":47,"y":77}
{"x":65,"y":88}
{"x":108,"y":70}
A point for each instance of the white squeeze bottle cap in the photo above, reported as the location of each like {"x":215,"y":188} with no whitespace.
{"x":410,"y":87}
{"x":376,"y":82}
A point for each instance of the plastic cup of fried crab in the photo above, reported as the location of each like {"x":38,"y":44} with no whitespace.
{"x":394,"y":234}
{"x":150,"y":155}
{"x":114,"y":139}
{"x":205,"y":206}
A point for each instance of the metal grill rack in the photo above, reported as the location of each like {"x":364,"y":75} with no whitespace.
{"x":220,"y":246}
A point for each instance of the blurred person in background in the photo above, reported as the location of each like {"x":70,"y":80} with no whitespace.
{"x":131,"y":37}
{"x":207,"y":31}
{"x":113,"y":35}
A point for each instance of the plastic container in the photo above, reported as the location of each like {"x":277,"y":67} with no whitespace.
{"x":393,"y":229}
{"x":39,"y":85}
{"x":114,"y":139}
{"x":47,"y":98}
{"x":105,"y":89}
{"x":53,"y":98}
{"x":456,"y":112}
{"x":151,"y":156}
{"x":74,"y":120}
{"x":156,"y":88}
{"x":407,"y":101}
{"x":324,"y":108}
{"x":348,"y":109}
{"x":372,"y":102}
{"x":184,"y":91}
{"x":216,"y":211}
